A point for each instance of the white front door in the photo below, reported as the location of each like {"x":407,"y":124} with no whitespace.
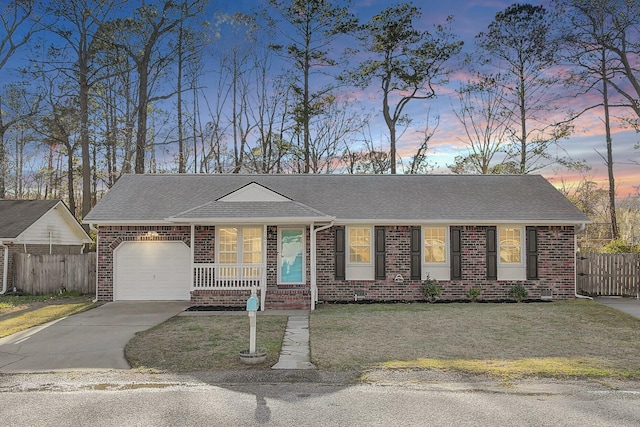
{"x":291,"y":248}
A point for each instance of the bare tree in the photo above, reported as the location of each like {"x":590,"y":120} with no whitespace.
{"x":142,"y":38}
{"x":19,"y":22}
{"x":334,"y":127}
{"x":602,"y":40}
{"x":60,"y":125}
{"x":521,"y":46}
{"x":420,"y":161}
{"x":271,"y":113}
{"x":16,"y":107}
{"x":367,"y":160}
{"x":79,"y":24}
{"x":485,"y":118}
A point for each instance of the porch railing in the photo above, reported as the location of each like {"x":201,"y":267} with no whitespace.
{"x":227,"y":276}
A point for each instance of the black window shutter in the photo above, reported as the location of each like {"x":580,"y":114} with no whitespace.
{"x":456,"y":254}
{"x":532,"y":252}
{"x":416,"y":250}
{"x":339,"y":253}
{"x":492,"y":254}
{"x":380,"y":254}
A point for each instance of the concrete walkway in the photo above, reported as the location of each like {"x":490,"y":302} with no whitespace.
{"x":295,"y":352}
{"x":627,"y":305}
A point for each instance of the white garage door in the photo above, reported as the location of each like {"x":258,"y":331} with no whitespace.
{"x":152,"y":271}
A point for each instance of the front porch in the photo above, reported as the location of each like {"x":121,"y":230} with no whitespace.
{"x":283,"y":280}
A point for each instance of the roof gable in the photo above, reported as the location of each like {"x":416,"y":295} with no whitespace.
{"x":40,"y":222}
{"x":250,"y":211}
{"x":18,"y":215}
{"x":253,"y":192}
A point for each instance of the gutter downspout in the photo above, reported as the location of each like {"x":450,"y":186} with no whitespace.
{"x":5,"y":268}
{"x":314,"y":285}
{"x":580,"y":229}
{"x":95,"y":230}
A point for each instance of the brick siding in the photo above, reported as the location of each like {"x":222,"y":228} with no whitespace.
{"x":555,"y":267}
{"x":110,"y":237}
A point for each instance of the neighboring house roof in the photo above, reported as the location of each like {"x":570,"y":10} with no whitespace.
{"x":384,"y":199}
{"x":39,"y":221}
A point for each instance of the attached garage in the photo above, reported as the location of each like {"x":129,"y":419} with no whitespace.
{"x":152,"y":270}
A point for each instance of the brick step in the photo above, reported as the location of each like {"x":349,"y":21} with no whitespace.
{"x":288,"y":299}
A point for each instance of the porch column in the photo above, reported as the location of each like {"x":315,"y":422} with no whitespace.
{"x":263,"y":273}
{"x":312,"y":266}
{"x":193,"y":256}
{"x":314,"y":282}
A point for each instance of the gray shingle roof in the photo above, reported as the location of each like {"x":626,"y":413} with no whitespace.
{"x":387,"y":198}
{"x":248,"y":210}
{"x":18,"y":215}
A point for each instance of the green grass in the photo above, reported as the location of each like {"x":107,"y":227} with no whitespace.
{"x":572,"y":338}
{"x":559,"y":339}
{"x":18,"y":313}
{"x":205,"y":343}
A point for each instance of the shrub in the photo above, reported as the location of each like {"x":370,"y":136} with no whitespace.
{"x":518,"y":292}
{"x":619,"y":247}
{"x":430,"y":289}
{"x":473,"y":294}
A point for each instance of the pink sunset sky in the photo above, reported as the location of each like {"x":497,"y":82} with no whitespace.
{"x":587,"y":142}
{"x":471,"y":17}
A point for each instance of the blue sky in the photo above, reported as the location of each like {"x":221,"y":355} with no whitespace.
{"x":471,"y":17}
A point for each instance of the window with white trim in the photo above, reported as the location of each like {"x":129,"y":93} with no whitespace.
{"x":359,"y":248}
{"x":511,"y":265}
{"x":435,"y":245}
{"x":435,"y":253}
{"x":228,"y":245}
{"x":510,"y":245}
{"x":360,"y":245}
{"x":239,"y":245}
{"x":252,"y":245}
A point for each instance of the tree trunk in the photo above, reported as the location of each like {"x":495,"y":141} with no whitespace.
{"x":306,"y":113}
{"x":607,"y":125}
{"x":70,"y":182}
{"x":181,"y":156}
{"x":84,"y":125}
{"x":141,"y":133}
{"x":523,"y":125}
{"x":195,"y":126}
{"x":3,"y":168}
{"x":391,"y":125}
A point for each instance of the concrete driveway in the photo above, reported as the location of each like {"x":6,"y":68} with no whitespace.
{"x":628,"y":305}
{"x":91,"y":340}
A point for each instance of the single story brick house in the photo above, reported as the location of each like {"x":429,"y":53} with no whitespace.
{"x":303,"y":239}
{"x":36,"y":227}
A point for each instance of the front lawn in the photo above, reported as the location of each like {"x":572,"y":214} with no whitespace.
{"x":205,"y":343}
{"x":571,"y":338}
{"x":559,"y":339}
{"x":18,"y":313}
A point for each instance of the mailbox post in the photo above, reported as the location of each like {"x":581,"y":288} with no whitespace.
{"x":252,"y":308}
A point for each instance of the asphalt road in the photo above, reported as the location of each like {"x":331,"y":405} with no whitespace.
{"x":152,"y":400}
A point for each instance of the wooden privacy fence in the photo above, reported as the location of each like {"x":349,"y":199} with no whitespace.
{"x":49,"y":274}
{"x":608,"y":274}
